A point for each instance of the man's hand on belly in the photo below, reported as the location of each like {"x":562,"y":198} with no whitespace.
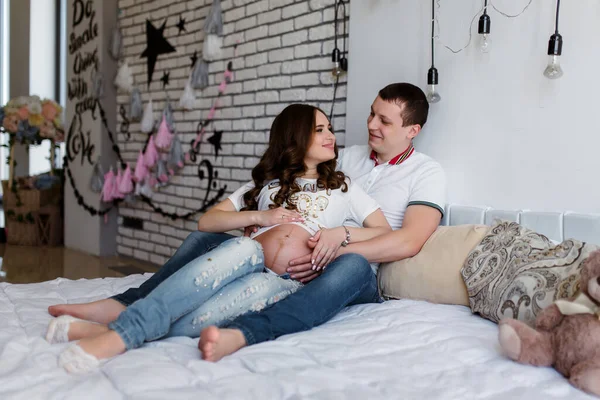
{"x":301,"y":269}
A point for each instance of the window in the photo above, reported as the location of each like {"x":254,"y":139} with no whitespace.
{"x":4,"y":40}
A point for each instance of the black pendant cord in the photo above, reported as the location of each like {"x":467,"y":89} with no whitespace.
{"x":557,"y":13}
{"x":93,"y":211}
{"x":432,"y":32}
{"x":339,"y":4}
{"x":485,"y":7}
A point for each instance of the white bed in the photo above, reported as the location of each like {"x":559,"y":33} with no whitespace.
{"x":397,"y":350}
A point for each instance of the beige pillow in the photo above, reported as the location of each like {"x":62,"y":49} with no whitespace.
{"x":434,"y":273}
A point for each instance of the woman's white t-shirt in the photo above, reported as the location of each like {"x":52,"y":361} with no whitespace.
{"x":320,"y":208}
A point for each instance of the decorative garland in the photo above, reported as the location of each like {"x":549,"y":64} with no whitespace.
{"x":210,"y":174}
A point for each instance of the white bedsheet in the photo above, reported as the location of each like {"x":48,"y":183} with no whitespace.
{"x":397,"y":350}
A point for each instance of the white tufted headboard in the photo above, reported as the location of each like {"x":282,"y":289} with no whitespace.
{"x":556,"y":226}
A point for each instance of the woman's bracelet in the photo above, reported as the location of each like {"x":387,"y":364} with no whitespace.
{"x":347,"y":240}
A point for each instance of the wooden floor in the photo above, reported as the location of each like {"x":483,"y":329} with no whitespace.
{"x":20,"y":264}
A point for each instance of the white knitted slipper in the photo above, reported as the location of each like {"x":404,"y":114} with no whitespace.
{"x":58,"y":329}
{"x":76,"y":361}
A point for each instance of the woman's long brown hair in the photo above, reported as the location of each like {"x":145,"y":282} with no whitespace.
{"x":289,"y":140}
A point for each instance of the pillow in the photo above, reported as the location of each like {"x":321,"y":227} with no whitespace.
{"x":434,"y":273}
{"x":515,"y":272}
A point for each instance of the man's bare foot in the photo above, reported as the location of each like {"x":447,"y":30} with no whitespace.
{"x":217,"y":343}
{"x":101,"y":311}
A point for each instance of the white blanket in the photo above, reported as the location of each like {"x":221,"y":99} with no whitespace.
{"x":396,"y":350}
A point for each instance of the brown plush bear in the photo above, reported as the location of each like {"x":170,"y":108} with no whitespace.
{"x":567,"y":334}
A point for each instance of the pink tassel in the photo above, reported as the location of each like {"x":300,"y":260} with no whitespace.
{"x":151,"y":155}
{"x":163,"y":136}
{"x":116,"y":193}
{"x":140,"y":169}
{"x":187,"y":158}
{"x":109,"y":186}
{"x":222,"y":86}
{"x":126,"y":185}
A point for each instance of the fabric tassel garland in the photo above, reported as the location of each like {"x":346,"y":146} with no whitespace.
{"x":97,"y":179}
{"x":151,"y":155}
{"x":145,"y":189}
{"x":188,"y":98}
{"x":117,"y":193}
{"x":116,"y":43}
{"x":97,"y":83}
{"x":108,"y":191}
{"x":163,"y":136}
{"x":140,"y":168}
{"x":126,"y":185}
{"x":214,"y":19}
{"x":168,"y":115}
{"x":124,"y":78}
{"x":200,"y":75}
{"x":136,"y":108}
{"x":162,"y":174}
{"x":147,"y":124}
{"x":211,"y":49}
{"x":176,"y":156}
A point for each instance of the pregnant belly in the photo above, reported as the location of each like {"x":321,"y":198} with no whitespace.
{"x":282,"y":244}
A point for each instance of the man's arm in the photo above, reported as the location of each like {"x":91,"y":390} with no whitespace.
{"x":419,"y":223}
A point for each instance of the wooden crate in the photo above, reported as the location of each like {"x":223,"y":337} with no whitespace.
{"x":21,"y":233}
{"x":31,"y":199}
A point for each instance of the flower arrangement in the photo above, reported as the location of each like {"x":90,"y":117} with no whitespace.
{"x":29,"y":120}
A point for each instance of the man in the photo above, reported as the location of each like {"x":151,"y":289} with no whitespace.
{"x":410,"y":188}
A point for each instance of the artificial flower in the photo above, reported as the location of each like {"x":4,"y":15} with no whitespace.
{"x":49,"y":110}
{"x":36,"y":119}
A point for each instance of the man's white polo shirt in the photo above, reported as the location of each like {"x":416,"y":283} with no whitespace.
{"x":418,"y":180}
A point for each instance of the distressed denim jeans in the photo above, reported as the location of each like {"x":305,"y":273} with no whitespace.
{"x":210,"y":290}
{"x":195,"y":244}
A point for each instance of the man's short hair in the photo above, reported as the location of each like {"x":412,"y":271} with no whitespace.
{"x":411,"y":100}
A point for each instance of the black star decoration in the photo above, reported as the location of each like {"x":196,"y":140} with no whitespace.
{"x":181,"y":25}
{"x":165,"y":78}
{"x":215,"y":140}
{"x":156,"y":44}
{"x":194,"y":58}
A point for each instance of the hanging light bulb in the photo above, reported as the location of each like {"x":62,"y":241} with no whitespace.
{"x":553,"y":69}
{"x":432,"y":75}
{"x":432,"y":80}
{"x":485,"y":24}
{"x":337,"y":69}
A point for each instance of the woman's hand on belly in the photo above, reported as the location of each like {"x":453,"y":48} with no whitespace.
{"x":276,"y":216}
{"x":282,"y":244}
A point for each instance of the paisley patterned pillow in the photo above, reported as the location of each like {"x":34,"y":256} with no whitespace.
{"x":514,"y":272}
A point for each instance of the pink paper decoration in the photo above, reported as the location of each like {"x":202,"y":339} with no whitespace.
{"x":109,"y":186}
{"x":126,"y":185}
{"x":163,"y":136}
{"x":140,"y":168}
{"x":151,"y":155}
{"x":116,"y":193}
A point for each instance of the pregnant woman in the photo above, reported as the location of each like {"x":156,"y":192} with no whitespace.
{"x":296,"y":194}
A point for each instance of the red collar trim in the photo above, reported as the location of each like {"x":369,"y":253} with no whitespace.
{"x":399,"y":159}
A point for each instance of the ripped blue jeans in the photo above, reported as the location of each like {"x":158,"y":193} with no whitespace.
{"x":213,"y":289}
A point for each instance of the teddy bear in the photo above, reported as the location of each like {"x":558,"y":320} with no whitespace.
{"x":566,"y":334}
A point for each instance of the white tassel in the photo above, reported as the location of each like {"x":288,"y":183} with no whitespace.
{"x":212,"y":47}
{"x":188,"y":98}
{"x":147,"y":124}
{"x":124,"y":78}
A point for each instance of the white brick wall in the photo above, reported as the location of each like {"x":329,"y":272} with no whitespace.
{"x":283,"y":56}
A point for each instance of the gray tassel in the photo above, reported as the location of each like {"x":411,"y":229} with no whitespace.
{"x":136,"y":107}
{"x":97,"y":83}
{"x":97,"y":179}
{"x":200,"y":75}
{"x":176,"y":156}
{"x":214,"y":20}
{"x":168,"y":114}
{"x":116,"y":43}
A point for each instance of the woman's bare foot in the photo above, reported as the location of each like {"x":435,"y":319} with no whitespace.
{"x":105,"y":345}
{"x":217,"y":343}
{"x":101,"y":311}
{"x":83,"y":329}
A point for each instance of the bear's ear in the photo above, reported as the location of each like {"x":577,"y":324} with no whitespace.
{"x":590,"y":269}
